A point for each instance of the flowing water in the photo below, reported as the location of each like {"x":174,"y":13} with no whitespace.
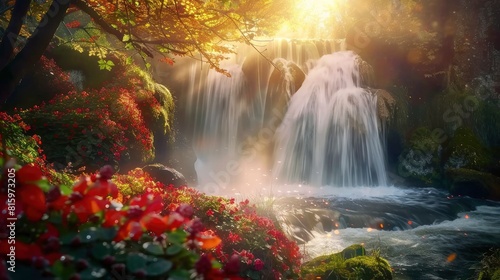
{"x":330,"y":133}
{"x":424,"y":233}
{"x":330,"y":140}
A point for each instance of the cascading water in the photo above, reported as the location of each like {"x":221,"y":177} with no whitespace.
{"x":330,"y":134}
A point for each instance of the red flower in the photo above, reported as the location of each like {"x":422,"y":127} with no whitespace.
{"x":29,"y":174}
{"x":258,"y":264}
{"x":23,"y":251}
{"x":33,"y":202}
{"x":210,"y":212}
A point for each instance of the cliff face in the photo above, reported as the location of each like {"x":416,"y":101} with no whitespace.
{"x":476,"y":62}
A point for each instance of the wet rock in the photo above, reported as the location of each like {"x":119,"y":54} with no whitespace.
{"x":300,"y":220}
{"x":366,"y":73}
{"x":284,"y":81}
{"x":385,"y":104}
{"x":165,"y":175}
{"x":474,"y":183}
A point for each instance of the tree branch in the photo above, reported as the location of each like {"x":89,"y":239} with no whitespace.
{"x":25,"y":60}
{"x":105,"y":26}
{"x":9,"y":39}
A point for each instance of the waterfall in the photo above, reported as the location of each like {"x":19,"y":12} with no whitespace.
{"x":330,"y":134}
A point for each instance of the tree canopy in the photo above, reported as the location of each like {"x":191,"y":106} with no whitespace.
{"x":195,"y":28}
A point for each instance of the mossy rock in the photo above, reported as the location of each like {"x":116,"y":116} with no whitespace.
{"x":490,"y":266}
{"x":351,"y":263}
{"x":352,"y":251}
{"x":420,"y":162}
{"x":465,"y":150}
{"x":474,"y":183}
{"x":368,"y":267}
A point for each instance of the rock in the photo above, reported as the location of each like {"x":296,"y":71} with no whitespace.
{"x":299,"y":220}
{"x":368,"y":267}
{"x":365,"y":73}
{"x":165,"y":175}
{"x":284,"y":81}
{"x":357,"y":266}
{"x":466,"y":151}
{"x":353,"y":251}
{"x":420,"y":161}
{"x":474,"y":183}
{"x":385,"y":104}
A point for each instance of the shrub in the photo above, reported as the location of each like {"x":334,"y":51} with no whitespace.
{"x":13,"y":133}
{"x":262,"y":250}
{"x":91,"y":128}
{"x":76,"y":233}
{"x":25,"y":149}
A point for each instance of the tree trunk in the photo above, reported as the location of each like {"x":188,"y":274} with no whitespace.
{"x":9,"y":39}
{"x":25,"y":60}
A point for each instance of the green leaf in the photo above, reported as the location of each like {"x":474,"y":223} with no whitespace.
{"x":126,"y":38}
{"x":67,"y":238}
{"x":108,"y":234}
{"x":177,"y":237}
{"x":62,"y":271}
{"x":174,"y":249}
{"x":153,"y":248}
{"x":44,"y":185}
{"x":254,"y":275}
{"x":101,"y":250}
{"x":148,"y":65}
{"x":65,"y":190}
{"x":179,"y":275}
{"x":216,"y":264}
{"x":158,"y":268}
{"x":93,"y":273}
{"x":136,"y":261}
{"x":89,"y":235}
{"x":55,"y":218}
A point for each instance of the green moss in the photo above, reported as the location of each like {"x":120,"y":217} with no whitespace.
{"x":466,"y":151}
{"x":351,"y":263}
{"x":420,"y":162}
{"x":490,"y":266}
{"x":365,"y":267}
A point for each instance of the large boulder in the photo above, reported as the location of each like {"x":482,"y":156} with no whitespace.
{"x":474,"y":183}
{"x":165,"y":175}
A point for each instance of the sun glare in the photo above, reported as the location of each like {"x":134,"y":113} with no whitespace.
{"x":313,"y":19}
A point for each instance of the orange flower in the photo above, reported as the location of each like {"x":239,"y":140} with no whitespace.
{"x":208,"y":239}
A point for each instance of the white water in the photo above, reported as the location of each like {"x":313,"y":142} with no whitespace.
{"x":330,"y":133}
{"x":417,"y":230}
{"x":422,"y":227}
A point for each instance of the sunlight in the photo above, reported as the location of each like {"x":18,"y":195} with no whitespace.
{"x":313,"y":19}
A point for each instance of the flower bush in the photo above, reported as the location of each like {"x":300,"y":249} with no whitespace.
{"x":261,"y":250}
{"x":91,"y":128}
{"x":81,"y":233}
{"x":13,"y":133}
{"x":26,"y":149}
{"x":106,"y":125}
